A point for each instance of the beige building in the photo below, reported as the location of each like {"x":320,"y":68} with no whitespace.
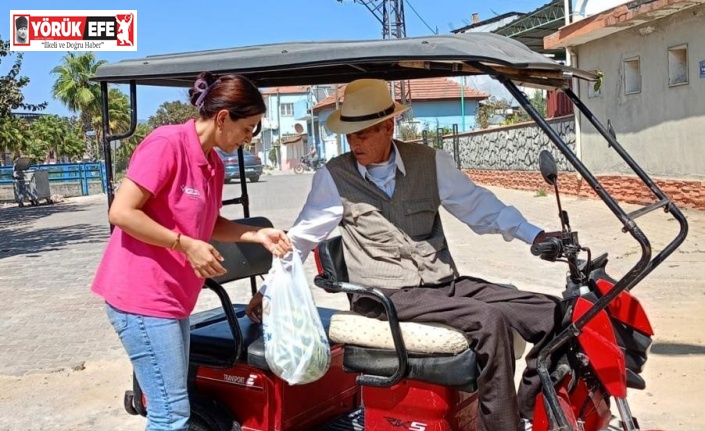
{"x":652,"y":55}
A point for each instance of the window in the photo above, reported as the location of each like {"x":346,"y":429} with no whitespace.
{"x":678,"y":65}
{"x":632,"y":76}
{"x":286,"y":109}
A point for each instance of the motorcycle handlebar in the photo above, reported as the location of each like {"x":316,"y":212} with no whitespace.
{"x":550,"y":247}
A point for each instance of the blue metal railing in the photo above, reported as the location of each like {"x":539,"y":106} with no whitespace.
{"x":83,"y":173}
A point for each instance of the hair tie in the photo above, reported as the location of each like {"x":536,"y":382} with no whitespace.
{"x":204,"y":88}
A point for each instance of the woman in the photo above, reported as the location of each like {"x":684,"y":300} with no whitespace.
{"x":165,"y":212}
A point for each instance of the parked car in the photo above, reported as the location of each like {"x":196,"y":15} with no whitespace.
{"x":253,"y":166}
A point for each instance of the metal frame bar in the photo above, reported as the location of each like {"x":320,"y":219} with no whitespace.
{"x":645,"y":264}
{"x":108,"y":137}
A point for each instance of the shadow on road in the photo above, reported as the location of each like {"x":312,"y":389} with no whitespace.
{"x":677,"y":349}
{"x":20,"y":236}
{"x":14,"y":216}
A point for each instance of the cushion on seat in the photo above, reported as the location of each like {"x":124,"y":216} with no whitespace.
{"x":347,"y":327}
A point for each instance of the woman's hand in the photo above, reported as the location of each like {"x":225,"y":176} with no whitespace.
{"x":254,"y":308}
{"x":204,"y":258}
{"x":274,"y":240}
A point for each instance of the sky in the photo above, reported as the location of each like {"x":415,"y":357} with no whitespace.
{"x":165,"y":27}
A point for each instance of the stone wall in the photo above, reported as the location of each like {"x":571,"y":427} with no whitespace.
{"x":512,"y":148}
{"x":508,"y":157}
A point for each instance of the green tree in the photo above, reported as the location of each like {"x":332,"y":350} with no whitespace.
{"x":58,"y":136}
{"x":118,"y":114}
{"x":14,"y":135}
{"x":408,"y":132}
{"x":74,"y":89}
{"x":12,"y":130}
{"x":539,"y":102}
{"x":127,"y":146}
{"x":172,"y":113}
{"x":489,"y":108}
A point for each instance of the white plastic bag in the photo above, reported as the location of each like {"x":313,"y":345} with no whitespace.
{"x":295,"y":344}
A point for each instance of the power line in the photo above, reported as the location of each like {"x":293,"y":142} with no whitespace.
{"x":422,"y":20}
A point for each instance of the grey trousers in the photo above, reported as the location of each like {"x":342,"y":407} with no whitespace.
{"x":485,"y":312}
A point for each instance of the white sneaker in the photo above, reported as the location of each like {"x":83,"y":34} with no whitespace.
{"x":526,"y":425}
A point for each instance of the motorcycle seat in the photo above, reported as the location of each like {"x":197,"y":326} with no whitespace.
{"x":438,"y":353}
{"x":215,"y":340}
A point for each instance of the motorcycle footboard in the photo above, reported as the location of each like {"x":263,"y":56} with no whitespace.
{"x":354,"y":421}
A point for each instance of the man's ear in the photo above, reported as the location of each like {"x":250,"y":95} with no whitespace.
{"x":389,"y":125}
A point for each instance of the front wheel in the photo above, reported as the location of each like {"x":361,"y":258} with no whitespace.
{"x":198,"y":423}
{"x":299,"y":169}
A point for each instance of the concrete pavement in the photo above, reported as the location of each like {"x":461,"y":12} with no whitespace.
{"x":48,"y":254}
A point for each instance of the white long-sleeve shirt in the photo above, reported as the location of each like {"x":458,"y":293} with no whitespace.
{"x":475,"y":206}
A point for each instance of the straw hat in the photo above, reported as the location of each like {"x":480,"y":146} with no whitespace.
{"x":366,"y":103}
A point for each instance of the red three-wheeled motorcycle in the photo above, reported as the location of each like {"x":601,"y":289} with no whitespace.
{"x":400,"y":375}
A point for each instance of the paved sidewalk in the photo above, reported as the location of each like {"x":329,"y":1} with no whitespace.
{"x":48,"y":254}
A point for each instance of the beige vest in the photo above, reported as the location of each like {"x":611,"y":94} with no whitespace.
{"x":393,"y":242}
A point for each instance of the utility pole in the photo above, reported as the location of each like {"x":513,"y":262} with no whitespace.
{"x":390,"y":13}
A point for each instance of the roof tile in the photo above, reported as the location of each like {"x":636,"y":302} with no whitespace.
{"x":421,"y":90}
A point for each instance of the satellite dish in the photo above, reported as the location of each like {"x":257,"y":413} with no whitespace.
{"x":299,"y":128}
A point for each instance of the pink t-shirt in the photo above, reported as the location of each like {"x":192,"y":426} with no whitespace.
{"x":187,"y":189}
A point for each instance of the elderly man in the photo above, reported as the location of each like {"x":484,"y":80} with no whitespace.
{"x":385,"y":196}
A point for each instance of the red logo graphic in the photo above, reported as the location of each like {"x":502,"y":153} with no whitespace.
{"x":125,"y":30}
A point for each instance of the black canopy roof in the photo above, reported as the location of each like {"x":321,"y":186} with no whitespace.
{"x":306,"y":63}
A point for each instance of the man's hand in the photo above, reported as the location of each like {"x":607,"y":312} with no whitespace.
{"x":543,"y":236}
{"x":254,"y":308}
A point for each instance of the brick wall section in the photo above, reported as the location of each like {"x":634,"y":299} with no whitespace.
{"x":686,"y":194}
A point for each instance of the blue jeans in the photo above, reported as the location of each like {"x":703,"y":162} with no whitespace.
{"x":158,"y":349}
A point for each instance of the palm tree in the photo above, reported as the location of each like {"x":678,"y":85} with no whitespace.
{"x":118,"y":114}
{"x":73,"y":88}
{"x":59,"y":136}
{"x":127,"y":146}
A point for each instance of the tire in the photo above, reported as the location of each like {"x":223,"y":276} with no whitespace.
{"x":198,"y":423}
{"x":195,"y":423}
{"x":254,"y":179}
{"x":208,"y":415}
{"x":227,"y":180}
{"x":299,"y":169}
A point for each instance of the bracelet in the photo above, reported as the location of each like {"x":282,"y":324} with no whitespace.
{"x":177,"y":241}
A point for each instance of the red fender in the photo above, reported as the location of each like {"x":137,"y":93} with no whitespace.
{"x":626,"y":309}
{"x":599,"y":344}
{"x":582,"y":404}
{"x":541,"y":422}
